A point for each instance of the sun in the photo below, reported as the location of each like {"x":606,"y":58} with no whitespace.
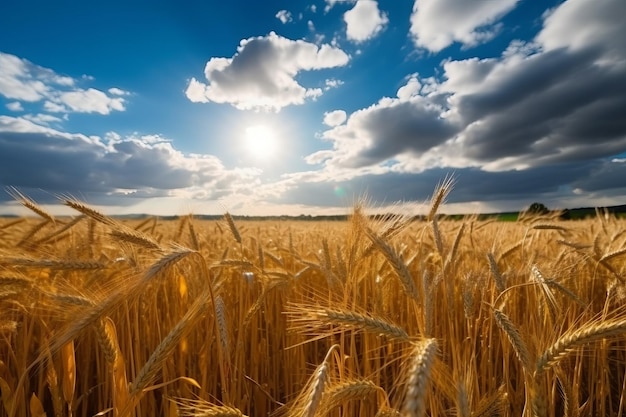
{"x":260,"y":141}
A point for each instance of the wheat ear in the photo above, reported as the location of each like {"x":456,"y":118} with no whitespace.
{"x":612,"y":255}
{"x":396,"y":263}
{"x":514,"y":336}
{"x":495,"y":272}
{"x":339,"y":393}
{"x":135,"y":237}
{"x":233,"y":227}
{"x":570,"y":340}
{"x":317,"y":318}
{"x":307,"y":404}
{"x":441,"y":192}
{"x":422,"y":358}
{"x":30,"y":204}
{"x":200,"y":407}
{"x":107,"y":339}
{"x":89,"y":212}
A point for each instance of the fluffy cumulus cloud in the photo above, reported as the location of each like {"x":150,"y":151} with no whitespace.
{"x":262,"y":74}
{"x":437,"y":24}
{"x":547,"y":111}
{"x":364,"y":21}
{"x":32,"y":155}
{"x":334,"y":118}
{"x":24,"y":81}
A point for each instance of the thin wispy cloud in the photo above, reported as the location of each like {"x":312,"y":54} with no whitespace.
{"x":24,"y":81}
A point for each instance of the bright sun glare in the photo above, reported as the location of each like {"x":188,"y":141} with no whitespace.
{"x":260,"y":141}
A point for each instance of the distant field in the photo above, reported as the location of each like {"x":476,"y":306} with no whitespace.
{"x":356,"y":318}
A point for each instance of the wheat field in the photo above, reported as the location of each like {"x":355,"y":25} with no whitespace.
{"x":370,"y":317}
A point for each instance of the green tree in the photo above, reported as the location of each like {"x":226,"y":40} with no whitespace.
{"x":538,"y":208}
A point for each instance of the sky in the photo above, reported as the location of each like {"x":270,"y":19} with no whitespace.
{"x":306,"y":107}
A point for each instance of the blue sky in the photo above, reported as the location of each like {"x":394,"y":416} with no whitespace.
{"x":290,"y":107}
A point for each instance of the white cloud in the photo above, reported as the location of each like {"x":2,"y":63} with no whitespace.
{"x":334,"y":118}
{"x":22,"y":80}
{"x":15,"y":106}
{"x":332,"y":83}
{"x":261,"y":75}
{"x":91,"y":101}
{"x":580,"y":24}
{"x":54,"y":107}
{"x":410,"y":89}
{"x":284,"y":16}
{"x":436,"y":24}
{"x":331,"y":3}
{"x":364,"y":21}
{"x":118,"y":91}
{"x":17,"y":82}
{"x":42,"y":119}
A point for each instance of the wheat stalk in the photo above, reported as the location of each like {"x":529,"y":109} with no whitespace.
{"x":168,"y":344}
{"x":32,"y":232}
{"x":492,"y":405}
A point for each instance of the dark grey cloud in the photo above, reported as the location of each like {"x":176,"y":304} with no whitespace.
{"x":609,"y":175}
{"x":407,"y":126}
{"x":32,"y":156}
{"x":505,"y":87}
{"x":557,"y":99}
{"x":471,"y":185}
{"x":389,"y":128}
{"x":581,"y":106}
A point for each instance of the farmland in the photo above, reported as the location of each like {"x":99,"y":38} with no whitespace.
{"x":364,"y":317}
